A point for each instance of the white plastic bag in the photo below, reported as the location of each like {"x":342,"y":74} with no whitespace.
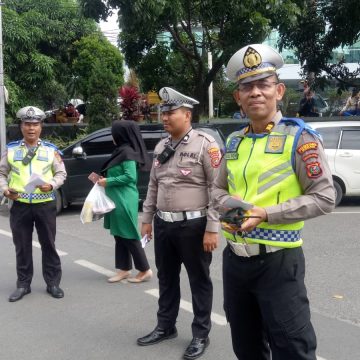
{"x":96,"y":204}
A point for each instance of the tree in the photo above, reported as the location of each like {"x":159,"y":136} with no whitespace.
{"x":38,"y":35}
{"x":102,"y":108}
{"x":193,"y":28}
{"x":87,"y":53}
{"x":319,"y":28}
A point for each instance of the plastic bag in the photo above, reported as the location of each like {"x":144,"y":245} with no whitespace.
{"x":96,"y":204}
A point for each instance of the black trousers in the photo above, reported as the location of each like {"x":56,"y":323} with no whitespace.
{"x":22,"y":219}
{"x":176,"y":243}
{"x":265,"y":301}
{"x":125,"y":249}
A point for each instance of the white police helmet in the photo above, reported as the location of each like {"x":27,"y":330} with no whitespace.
{"x":253,"y":62}
{"x":173,"y":100}
{"x":30,"y":114}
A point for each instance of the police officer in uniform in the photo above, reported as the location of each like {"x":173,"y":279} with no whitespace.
{"x":278,"y":167}
{"x":185,"y":224}
{"x":25,"y":157}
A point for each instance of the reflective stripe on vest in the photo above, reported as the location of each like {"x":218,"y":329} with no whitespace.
{"x":41,"y":164}
{"x":266,"y":178}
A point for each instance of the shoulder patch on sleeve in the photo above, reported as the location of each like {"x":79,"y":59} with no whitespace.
{"x":58,"y":156}
{"x":215,"y":156}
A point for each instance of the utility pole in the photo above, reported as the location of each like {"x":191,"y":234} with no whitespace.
{"x":2,"y":92}
{"x":211,"y":97}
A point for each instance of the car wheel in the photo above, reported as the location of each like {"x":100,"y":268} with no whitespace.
{"x":338,"y":193}
{"x":59,"y":202}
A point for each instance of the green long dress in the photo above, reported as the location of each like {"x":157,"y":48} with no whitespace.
{"x":121,"y":188}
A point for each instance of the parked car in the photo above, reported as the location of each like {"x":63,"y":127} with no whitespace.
{"x":88,"y":155}
{"x":342,"y":148}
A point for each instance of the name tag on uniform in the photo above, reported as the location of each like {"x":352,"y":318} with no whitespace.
{"x":275,"y":144}
{"x":231,"y":156}
{"x":18,"y":155}
{"x":42,"y":155}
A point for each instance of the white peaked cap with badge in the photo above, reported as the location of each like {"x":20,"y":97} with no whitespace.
{"x":30,"y":114}
{"x":253,"y":62}
{"x":173,"y":100}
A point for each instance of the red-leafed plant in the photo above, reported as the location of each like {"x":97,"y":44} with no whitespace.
{"x":129,"y":101}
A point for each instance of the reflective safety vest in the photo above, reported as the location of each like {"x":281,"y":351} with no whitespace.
{"x":261,"y":171}
{"x":40,"y":164}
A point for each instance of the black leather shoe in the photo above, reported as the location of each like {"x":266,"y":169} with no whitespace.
{"x":19,"y":293}
{"x":157,"y":335}
{"x":55,"y":291}
{"x":196,"y":348}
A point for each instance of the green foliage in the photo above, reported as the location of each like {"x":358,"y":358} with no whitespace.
{"x":191,"y":29}
{"x":38,"y":37}
{"x":102,"y":108}
{"x":62,"y":141}
{"x":87,"y":53}
{"x":321,"y":27}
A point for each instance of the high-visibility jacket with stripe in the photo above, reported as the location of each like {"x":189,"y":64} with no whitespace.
{"x":20,"y":174}
{"x":261,"y":171}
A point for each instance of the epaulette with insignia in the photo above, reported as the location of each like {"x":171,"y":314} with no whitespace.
{"x":302,"y":125}
{"x":207,"y":136}
{"x":51,"y":145}
{"x":13,"y":143}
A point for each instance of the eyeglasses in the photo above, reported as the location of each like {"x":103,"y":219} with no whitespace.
{"x":261,"y":85}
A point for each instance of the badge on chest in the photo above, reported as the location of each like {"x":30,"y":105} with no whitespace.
{"x":275,"y":144}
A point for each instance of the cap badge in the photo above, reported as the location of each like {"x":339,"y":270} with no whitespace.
{"x":165,"y":95}
{"x":30,"y":113}
{"x":252,"y":58}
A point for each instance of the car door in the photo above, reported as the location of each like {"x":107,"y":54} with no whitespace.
{"x":347,"y":159}
{"x":96,"y":150}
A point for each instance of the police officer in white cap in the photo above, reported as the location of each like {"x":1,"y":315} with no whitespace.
{"x":25,"y":159}
{"x":185,"y":224}
{"x":278,"y":166}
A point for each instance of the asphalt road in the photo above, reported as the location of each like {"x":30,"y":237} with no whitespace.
{"x":97,"y":320}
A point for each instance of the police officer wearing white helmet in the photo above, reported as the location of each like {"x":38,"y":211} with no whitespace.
{"x":31,"y":206}
{"x":185,"y":224}
{"x":278,"y":167}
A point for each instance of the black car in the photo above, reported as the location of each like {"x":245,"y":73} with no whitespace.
{"x":88,"y":155}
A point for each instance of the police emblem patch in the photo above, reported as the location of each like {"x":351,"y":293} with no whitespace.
{"x":252,"y":58}
{"x":306,"y":147}
{"x":310,"y":156}
{"x":233,"y":144}
{"x":18,"y":155}
{"x":215,"y":157}
{"x":313,"y":170}
{"x":275,"y":144}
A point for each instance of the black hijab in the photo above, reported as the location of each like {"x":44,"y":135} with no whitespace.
{"x":129,"y":146}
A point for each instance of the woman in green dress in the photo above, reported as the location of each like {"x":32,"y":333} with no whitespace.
{"x":119,"y":178}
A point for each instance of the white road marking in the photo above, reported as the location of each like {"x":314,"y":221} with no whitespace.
{"x":34,"y":243}
{"x":60,"y":253}
{"x":95,"y":267}
{"x":187,"y":306}
{"x":345,"y":213}
{"x":6,"y":233}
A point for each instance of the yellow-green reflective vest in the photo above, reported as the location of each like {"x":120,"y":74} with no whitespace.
{"x":41,"y":164}
{"x":260,"y":171}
